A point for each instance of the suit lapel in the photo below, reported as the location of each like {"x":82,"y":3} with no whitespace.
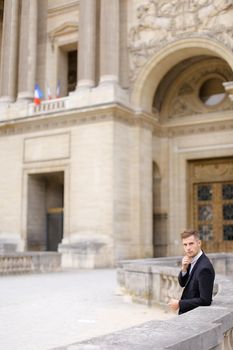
{"x":194,"y":268}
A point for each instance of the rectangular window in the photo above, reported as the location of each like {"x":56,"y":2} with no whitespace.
{"x":67,"y":69}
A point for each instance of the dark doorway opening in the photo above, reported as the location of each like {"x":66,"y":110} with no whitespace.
{"x":54,"y":228}
{"x":45,"y":211}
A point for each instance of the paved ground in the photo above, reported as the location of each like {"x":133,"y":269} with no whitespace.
{"x":40,"y":312}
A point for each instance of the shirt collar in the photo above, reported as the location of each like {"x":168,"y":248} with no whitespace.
{"x":196,"y":257}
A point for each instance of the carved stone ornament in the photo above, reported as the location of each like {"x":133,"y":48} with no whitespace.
{"x":182,"y":96}
{"x":219,"y":170}
{"x":159,"y":22}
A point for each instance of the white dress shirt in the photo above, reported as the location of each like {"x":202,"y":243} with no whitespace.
{"x":193,"y":262}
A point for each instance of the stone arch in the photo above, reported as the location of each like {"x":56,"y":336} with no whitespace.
{"x":151,"y":74}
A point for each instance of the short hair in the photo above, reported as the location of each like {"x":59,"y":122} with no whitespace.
{"x":190,"y":232}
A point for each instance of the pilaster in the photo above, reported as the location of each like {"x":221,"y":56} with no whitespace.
{"x":109,"y":41}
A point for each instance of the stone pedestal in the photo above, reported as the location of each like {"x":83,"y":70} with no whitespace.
{"x":10,"y":243}
{"x":87,"y":251}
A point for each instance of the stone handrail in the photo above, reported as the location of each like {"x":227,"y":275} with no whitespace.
{"x":149,"y":284}
{"x":154,"y":281}
{"x":17,"y":263}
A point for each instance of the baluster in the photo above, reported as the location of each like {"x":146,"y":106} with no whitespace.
{"x":228,"y":340}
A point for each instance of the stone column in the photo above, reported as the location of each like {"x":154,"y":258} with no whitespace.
{"x":9,"y":51}
{"x":28,"y":50}
{"x":87,"y":43}
{"x":109,"y":41}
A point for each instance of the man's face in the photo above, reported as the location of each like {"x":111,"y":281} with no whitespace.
{"x":192,"y":246}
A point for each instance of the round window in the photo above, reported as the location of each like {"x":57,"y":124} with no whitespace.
{"x":212,"y":92}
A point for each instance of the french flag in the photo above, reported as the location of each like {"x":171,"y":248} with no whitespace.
{"x":58,"y":91}
{"x":38,"y":95}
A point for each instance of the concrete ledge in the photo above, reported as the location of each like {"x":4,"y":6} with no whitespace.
{"x":180,"y":333}
{"x":204,"y":328}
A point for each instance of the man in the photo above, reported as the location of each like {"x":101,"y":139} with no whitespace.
{"x":196,"y":275}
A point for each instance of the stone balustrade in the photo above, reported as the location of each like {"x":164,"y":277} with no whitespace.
{"x":149,"y":281}
{"x":154,"y":281}
{"x":48,"y":106}
{"x":17,"y":263}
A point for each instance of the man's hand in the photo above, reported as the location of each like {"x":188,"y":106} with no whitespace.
{"x":174,"y":304}
{"x":185,"y":263}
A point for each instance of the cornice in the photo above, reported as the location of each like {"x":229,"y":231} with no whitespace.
{"x":212,"y":122}
{"x":200,"y":129}
{"x":65,"y":29}
{"x":67,"y":118}
{"x":118,"y":113}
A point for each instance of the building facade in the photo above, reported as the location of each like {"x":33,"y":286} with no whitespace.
{"x":133,"y":139}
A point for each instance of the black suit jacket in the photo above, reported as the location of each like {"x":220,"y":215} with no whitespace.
{"x":198,"y":285}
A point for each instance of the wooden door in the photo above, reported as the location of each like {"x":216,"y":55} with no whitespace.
{"x":211,"y":203}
